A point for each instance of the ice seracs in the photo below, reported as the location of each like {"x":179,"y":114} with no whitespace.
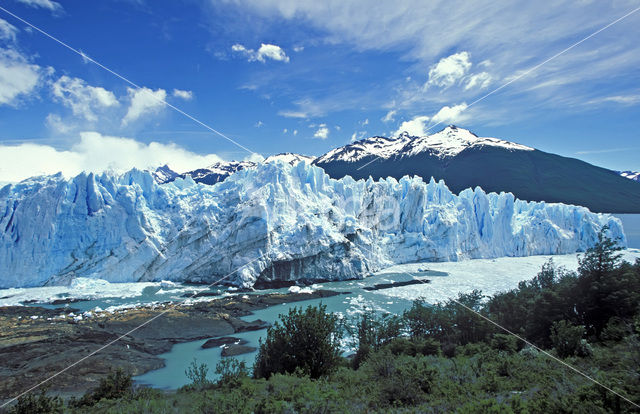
{"x":274,"y":222}
{"x":447,"y":143}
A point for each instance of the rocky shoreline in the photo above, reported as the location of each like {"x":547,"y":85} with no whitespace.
{"x":37,"y":342}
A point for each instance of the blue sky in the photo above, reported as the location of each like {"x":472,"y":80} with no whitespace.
{"x":306,"y":76}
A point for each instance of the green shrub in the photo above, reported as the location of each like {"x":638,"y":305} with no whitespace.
{"x":231,"y":372}
{"x":567,"y":339}
{"x":306,"y":341}
{"x":117,"y":384}
{"x":197,"y":374}
{"x":37,"y":403}
{"x":505,"y":342}
{"x":401,"y":379}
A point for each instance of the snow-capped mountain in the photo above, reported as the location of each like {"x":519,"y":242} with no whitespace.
{"x":465,"y":160}
{"x":272,"y":222}
{"x":219,"y":171}
{"x":164,"y":174}
{"x":449,"y":142}
{"x":290,"y":158}
{"x":632,"y":175}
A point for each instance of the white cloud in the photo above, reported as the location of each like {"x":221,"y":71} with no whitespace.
{"x":95,"y":153}
{"x":144,"y":101}
{"x":55,"y":122}
{"x":449,"y":114}
{"x":416,"y":126}
{"x":358,"y":135}
{"x":390,"y":116}
{"x":293,"y":114}
{"x":295,"y":132}
{"x":499,"y":37}
{"x":480,"y":80}
{"x":619,"y":99}
{"x":421,"y":125}
{"x":7,"y":31}
{"x":266,"y":51}
{"x":186,"y":95}
{"x":365,"y":122}
{"x":298,"y":49}
{"x":43,"y":4}
{"x":82,"y":98}
{"x":284,"y":131}
{"x":449,"y":70}
{"x":322,"y":132}
{"x":258,"y":124}
{"x":18,"y":77}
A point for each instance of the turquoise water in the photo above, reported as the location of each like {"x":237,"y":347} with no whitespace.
{"x":346,"y":305}
{"x":447,"y":280}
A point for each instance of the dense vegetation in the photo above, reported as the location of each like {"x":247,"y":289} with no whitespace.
{"x":442,"y":358}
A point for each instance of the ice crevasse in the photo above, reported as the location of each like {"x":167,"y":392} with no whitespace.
{"x":276,"y":222}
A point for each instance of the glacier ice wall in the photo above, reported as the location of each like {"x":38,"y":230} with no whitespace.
{"x":275,"y":222}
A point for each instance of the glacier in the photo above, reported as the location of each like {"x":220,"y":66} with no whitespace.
{"x":275,"y":222}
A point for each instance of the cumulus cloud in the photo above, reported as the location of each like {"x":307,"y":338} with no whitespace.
{"x":18,"y":77}
{"x":449,"y":70}
{"x":266,"y":51}
{"x":499,"y":37}
{"x":449,"y":114}
{"x":82,"y":98}
{"x":144,"y":101}
{"x":7,"y":31}
{"x":95,"y":153}
{"x":479,"y":80}
{"x":186,"y":95}
{"x":43,"y":4}
{"x":416,"y":126}
{"x":420,"y":125}
{"x":322,"y":132}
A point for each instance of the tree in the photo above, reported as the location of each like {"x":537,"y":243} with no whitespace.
{"x":567,"y":339}
{"x":306,"y":341}
{"x":601,"y":258}
{"x":372,"y":332}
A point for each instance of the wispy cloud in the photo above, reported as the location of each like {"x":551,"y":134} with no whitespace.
{"x":7,"y":31}
{"x":50,"y":5}
{"x":606,"y":150}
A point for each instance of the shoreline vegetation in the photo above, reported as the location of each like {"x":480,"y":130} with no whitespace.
{"x":36,"y":342}
{"x":432,"y":358}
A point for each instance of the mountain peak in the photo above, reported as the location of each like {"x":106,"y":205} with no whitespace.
{"x":448,"y":142}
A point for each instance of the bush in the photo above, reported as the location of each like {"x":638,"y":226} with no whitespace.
{"x":117,"y":384}
{"x":400,"y":379}
{"x":197,"y":374}
{"x":306,"y":341}
{"x":504,"y":342}
{"x":567,"y":339}
{"x":372,"y":332}
{"x":37,"y":403}
{"x":231,"y":372}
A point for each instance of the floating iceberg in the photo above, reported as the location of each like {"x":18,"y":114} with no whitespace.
{"x":276,"y":222}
